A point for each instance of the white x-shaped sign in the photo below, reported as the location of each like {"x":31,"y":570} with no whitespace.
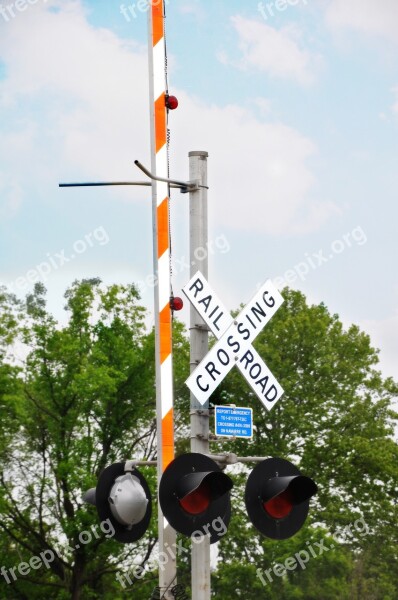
{"x":234,"y":346}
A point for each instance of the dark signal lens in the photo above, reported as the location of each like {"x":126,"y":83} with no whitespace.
{"x":197,"y":501}
{"x":279,"y":507}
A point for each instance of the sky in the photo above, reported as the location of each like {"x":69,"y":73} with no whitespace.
{"x":296,"y":102}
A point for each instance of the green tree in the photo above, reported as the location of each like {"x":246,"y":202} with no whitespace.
{"x":10,"y":384}
{"x":335,"y":421}
{"x":86,"y":399}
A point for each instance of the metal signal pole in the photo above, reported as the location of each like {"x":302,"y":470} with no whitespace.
{"x":161,"y":183}
{"x":198,"y":231}
{"x":161,"y":257}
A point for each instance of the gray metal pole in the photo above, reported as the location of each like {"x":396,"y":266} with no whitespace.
{"x":198,"y":227}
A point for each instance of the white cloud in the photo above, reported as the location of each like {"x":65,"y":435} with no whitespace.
{"x":395,"y":105}
{"x":85,"y":89}
{"x":91,"y":121}
{"x":264,"y":105}
{"x":192,"y":7}
{"x":11,"y":197}
{"x":375,"y":17}
{"x":383,"y":335}
{"x":276,"y":52}
{"x":259,"y":176}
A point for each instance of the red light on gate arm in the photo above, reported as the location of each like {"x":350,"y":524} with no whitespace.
{"x":280,"y":506}
{"x":176,"y":303}
{"x":197,"y":501}
{"x":171,"y":102}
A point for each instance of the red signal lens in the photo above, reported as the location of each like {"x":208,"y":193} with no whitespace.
{"x":176,"y":303}
{"x":171,"y":102}
{"x":279,"y":507}
{"x":197,"y":501}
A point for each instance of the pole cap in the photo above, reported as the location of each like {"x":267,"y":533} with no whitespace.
{"x":198,"y":153}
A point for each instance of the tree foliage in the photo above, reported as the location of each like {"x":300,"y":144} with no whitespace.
{"x":85,"y":398}
{"x":335,"y":421}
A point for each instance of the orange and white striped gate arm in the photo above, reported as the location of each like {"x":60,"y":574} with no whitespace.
{"x":161,"y":253}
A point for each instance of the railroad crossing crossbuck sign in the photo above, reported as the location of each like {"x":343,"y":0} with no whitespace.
{"x":234,"y":341}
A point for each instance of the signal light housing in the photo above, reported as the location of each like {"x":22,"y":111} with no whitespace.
{"x":123,"y":497}
{"x":194,"y":494}
{"x":171,"y":102}
{"x":176,"y":303}
{"x":277,"y":498}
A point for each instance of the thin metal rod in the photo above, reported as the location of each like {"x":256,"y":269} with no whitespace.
{"x":184,"y":186}
{"x":188,"y":185}
{"x":232,"y":459}
{"x":145,"y":463}
{"x":101,"y":183}
{"x":227,"y":458}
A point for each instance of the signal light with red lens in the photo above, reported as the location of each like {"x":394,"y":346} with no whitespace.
{"x":277,"y":498}
{"x":176,"y":303}
{"x":171,"y":102}
{"x":194,"y":495}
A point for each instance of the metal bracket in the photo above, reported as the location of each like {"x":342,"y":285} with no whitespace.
{"x":200,"y":436}
{"x":203,"y":412}
{"x":228,"y":459}
{"x":130,"y":465}
{"x":183,"y":186}
{"x":201,"y":327}
{"x":231,"y":459}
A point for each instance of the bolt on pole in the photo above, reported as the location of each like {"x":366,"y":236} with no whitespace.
{"x":198,"y":233}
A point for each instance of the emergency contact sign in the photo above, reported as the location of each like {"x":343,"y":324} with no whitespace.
{"x":233,"y":422}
